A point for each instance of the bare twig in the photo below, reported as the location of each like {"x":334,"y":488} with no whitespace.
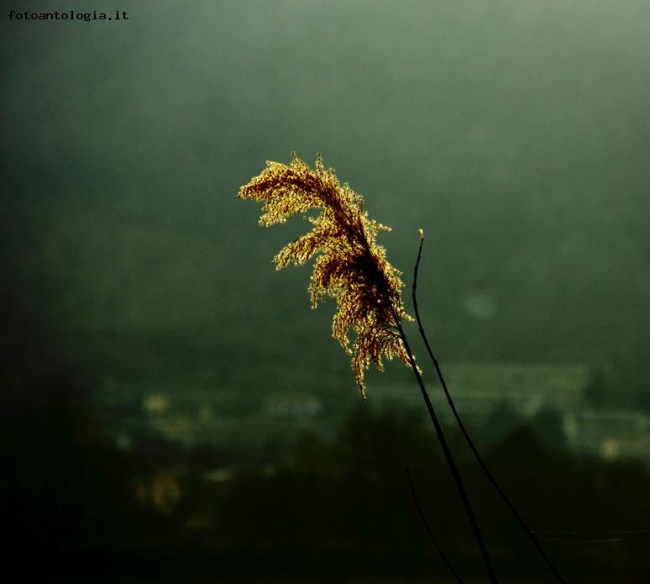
{"x":464,"y":431}
{"x":451,"y":463}
{"x":432,"y":537}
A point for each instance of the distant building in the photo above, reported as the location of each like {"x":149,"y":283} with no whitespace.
{"x":194,"y":415}
{"x":477,"y":389}
{"x":292,"y":406}
{"x":609,"y":434}
{"x":526,"y":390}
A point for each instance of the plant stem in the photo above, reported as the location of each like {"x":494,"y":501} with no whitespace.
{"x":428,"y":529}
{"x":464,"y":431}
{"x":451,"y":463}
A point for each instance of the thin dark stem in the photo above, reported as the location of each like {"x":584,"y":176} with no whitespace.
{"x":451,"y":463}
{"x":426,"y":526}
{"x":464,"y":431}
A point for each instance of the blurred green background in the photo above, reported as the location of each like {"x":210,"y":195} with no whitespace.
{"x":169,"y":399}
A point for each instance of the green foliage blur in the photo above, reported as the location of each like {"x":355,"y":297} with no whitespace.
{"x":335,"y":508}
{"x":76,"y":505}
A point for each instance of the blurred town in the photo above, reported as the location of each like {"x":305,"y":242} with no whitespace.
{"x":491,"y":398}
{"x":182,"y":481}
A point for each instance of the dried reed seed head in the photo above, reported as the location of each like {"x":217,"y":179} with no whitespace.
{"x":351,"y":267}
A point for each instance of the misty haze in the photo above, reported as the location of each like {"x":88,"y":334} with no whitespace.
{"x":170,"y":400}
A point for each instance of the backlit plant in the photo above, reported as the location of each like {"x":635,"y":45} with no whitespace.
{"x":352,"y":268}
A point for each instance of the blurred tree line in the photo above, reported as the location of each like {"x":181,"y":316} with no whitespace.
{"x":350,"y":499}
{"x":67,"y":491}
{"x":74,"y":504}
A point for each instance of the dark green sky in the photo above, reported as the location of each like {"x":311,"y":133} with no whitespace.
{"x":515,"y":132}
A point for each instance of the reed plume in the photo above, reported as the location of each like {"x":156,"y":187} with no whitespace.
{"x":351,"y":267}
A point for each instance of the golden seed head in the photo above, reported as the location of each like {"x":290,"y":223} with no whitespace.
{"x":351,"y":267}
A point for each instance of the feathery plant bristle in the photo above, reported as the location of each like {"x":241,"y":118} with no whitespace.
{"x":351,"y":267}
